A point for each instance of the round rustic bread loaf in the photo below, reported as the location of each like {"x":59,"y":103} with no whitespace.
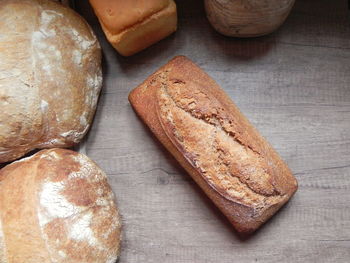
{"x":57,"y":206}
{"x":50,"y":76}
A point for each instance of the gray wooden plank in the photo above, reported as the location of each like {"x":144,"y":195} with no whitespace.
{"x":293,"y":85}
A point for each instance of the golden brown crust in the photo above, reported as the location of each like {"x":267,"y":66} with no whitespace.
{"x":119,"y":15}
{"x":198,"y":123}
{"x":131,"y":26}
{"x":57,"y":206}
{"x":50,"y":54}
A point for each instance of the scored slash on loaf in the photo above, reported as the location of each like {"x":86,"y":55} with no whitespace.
{"x":248,"y":18}
{"x":208,"y":135}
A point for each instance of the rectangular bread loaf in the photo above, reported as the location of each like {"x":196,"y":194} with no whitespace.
{"x":133,"y":25}
{"x":208,"y":135}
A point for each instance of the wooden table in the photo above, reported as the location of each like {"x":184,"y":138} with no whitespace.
{"x":294,"y":86}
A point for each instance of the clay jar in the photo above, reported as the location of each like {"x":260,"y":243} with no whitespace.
{"x":247,"y":18}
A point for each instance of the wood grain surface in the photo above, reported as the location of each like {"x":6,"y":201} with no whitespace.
{"x":293,"y":85}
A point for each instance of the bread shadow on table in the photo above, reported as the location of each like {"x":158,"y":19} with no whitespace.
{"x":203,"y":38}
{"x":242,"y":237}
{"x":243,"y":49}
{"x":92,"y":133}
{"x":214,"y":42}
{"x":160,"y":51}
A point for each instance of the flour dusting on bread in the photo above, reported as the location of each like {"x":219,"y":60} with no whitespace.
{"x":60,"y":74}
{"x":80,"y":230}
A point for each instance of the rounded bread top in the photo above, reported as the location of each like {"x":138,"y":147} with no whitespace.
{"x":50,"y":76}
{"x":57,"y":206}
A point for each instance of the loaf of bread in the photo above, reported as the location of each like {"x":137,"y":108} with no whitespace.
{"x":57,"y":206}
{"x":133,"y":25}
{"x":50,"y":76}
{"x":208,"y":135}
{"x":248,"y":18}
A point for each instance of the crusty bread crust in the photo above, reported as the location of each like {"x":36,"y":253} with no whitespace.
{"x":131,"y":26}
{"x":57,"y":206}
{"x":208,"y":135}
{"x":119,"y":15}
{"x":50,"y":76}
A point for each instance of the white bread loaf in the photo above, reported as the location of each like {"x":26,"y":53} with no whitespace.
{"x":57,"y":207}
{"x":50,"y":76}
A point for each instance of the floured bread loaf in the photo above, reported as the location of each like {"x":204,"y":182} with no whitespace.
{"x":205,"y":131}
{"x":57,"y":206}
{"x":50,"y":76}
